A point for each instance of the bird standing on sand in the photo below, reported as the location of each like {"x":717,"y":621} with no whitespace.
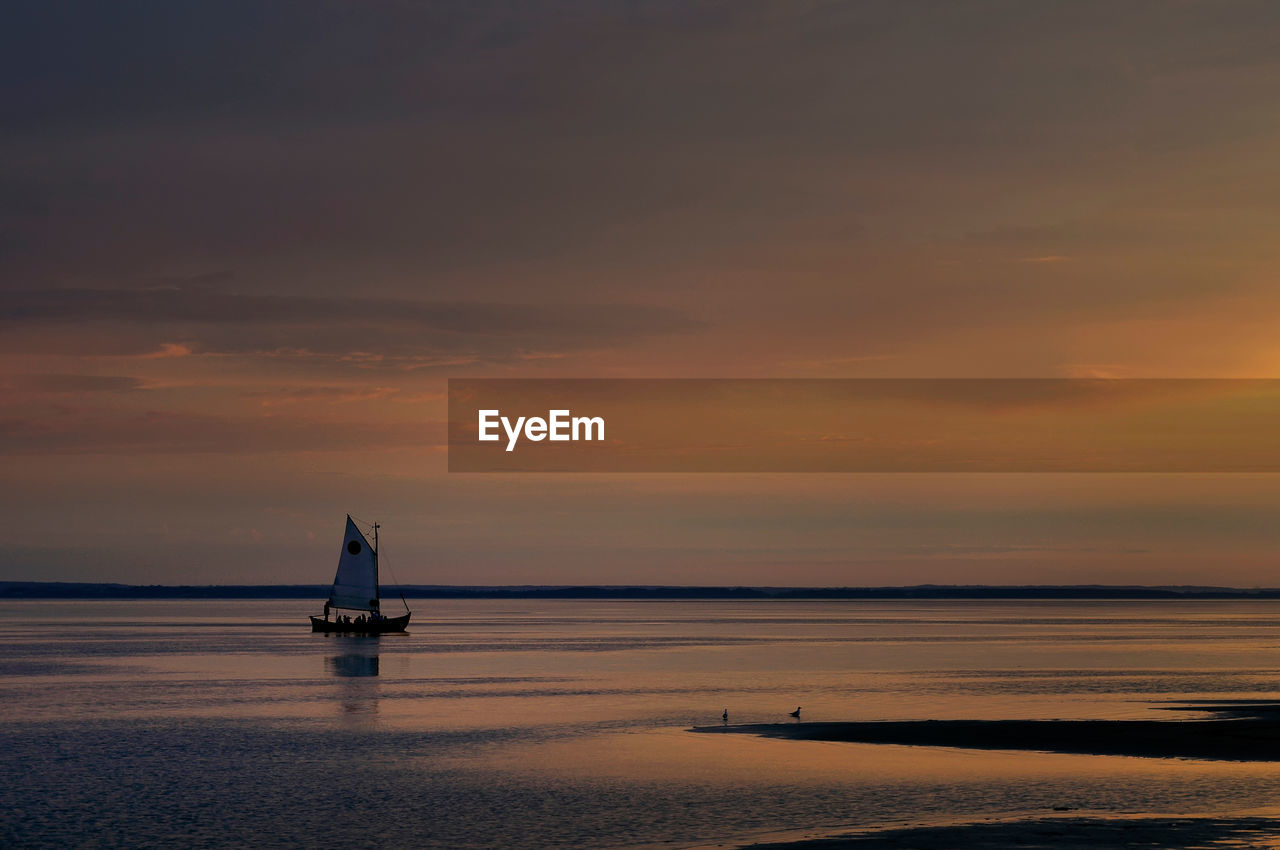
{"x":796,"y":713}
{"x":725,"y":717}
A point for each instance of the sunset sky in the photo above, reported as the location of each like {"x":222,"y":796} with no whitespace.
{"x":243,"y":245}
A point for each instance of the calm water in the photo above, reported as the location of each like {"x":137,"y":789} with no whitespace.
{"x":541,"y":724}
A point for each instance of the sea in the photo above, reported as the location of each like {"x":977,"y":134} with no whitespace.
{"x":566,"y":723}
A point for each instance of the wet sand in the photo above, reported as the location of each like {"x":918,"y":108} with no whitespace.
{"x":1238,"y":732}
{"x":1235,"y":731}
{"x":1061,"y":834}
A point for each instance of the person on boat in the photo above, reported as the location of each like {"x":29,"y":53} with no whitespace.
{"x":326,"y":611}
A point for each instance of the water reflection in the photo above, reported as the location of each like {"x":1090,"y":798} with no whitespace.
{"x":356,"y":670}
{"x":352,"y":666}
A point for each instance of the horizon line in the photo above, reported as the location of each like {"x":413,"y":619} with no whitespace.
{"x":20,"y":589}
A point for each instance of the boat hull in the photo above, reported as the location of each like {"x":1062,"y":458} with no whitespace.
{"x":377,"y":627}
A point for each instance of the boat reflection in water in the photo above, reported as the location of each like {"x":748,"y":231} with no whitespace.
{"x":357,"y":673}
{"x":352,"y":666}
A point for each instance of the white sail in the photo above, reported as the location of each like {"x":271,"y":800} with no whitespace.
{"x":356,"y":584}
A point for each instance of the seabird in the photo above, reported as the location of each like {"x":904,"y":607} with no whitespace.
{"x":796,"y":713}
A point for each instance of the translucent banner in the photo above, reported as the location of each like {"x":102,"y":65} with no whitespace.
{"x":864,"y":425}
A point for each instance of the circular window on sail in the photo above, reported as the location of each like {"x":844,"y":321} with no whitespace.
{"x":354,"y":547}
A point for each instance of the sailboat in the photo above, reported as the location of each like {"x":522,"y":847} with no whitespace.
{"x":355,"y":588}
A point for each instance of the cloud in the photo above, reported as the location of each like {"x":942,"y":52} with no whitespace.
{"x":211,"y":307}
{"x":74,"y":384}
{"x":167,"y":350}
{"x":168,"y":432}
{"x":163,"y":323}
{"x":323,"y":395}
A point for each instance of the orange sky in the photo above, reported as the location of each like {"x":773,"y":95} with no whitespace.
{"x":243,"y":248}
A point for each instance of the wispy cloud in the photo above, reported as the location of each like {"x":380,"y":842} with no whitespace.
{"x":180,"y":322}
{"x":94,"y":431}
{"x":167,"y":350}
{"x":321,"y":395}
{"x":72,"y":384}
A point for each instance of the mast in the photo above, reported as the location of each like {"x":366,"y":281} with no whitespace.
{"x":377,"y":583}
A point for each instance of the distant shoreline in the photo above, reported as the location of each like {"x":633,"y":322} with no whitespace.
{"x":92,"y":590}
